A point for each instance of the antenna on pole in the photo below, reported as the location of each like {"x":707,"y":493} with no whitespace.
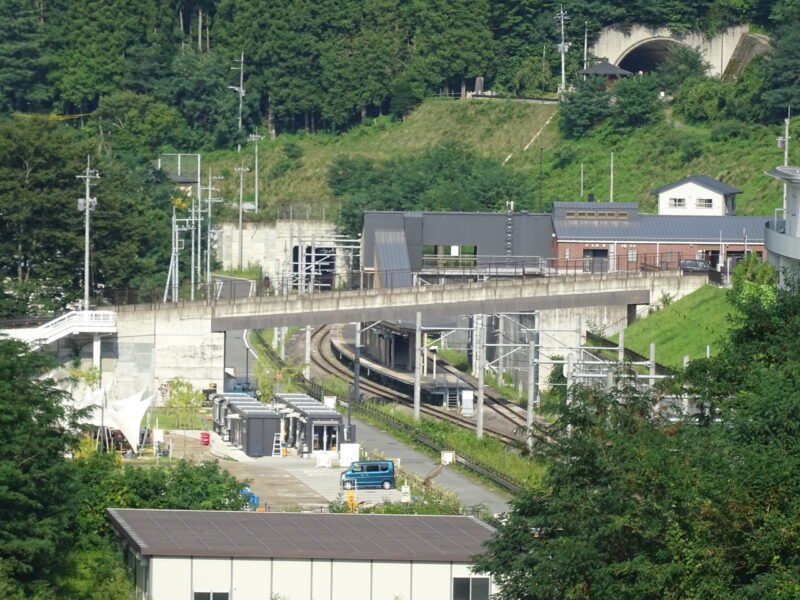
{"x":239,"y":90}
{"x":87,"y":204}
{"x":563,"y":47}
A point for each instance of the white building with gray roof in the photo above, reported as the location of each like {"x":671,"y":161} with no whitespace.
{"x":220,"y":555}
{"x":698,"y":195}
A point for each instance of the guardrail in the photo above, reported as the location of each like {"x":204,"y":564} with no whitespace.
{"x":86,"y":321}
{"x":462,"y":270}
{"x":317,"y":391}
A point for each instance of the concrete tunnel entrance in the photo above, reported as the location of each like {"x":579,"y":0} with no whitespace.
{"x":648,"y":56}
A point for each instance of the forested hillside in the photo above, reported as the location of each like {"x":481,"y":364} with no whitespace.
{"x":346,"y":90}
{"x":314,"y":64}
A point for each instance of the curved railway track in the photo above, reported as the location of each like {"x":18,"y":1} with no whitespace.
{"x":325,"y":360}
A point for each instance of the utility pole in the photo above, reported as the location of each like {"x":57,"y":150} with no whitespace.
{"x":239,"y":90}
{"x":585,"y":46}
{"x":532,"y":387}
{"x":254,"y":137}
{"x":87,"y":204}
{"x":611,"y":190}
{"x":563,"y":47}
{"x":307,"y":355}
{"x":417,"y":366}
{"x":541,"y":177}
{"x":478,"y":357}
{"x":198,"y":225}
{"x":356,"y":381}
{"x":786,"y":152}
{"x":210,"y":200}
{"x":241,"y":170}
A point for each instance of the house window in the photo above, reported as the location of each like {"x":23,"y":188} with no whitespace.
{"x":705,"y":203}
{"x":210,"y":596}
{"x":677,"y":202}
{"x":632,"y":255}
{"x":566,"y":253}
{"x":470,"y":588}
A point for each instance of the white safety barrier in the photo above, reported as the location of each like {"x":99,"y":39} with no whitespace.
{"x":77,"y":321}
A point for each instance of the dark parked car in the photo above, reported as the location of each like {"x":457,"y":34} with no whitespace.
{"x":694,"y":266}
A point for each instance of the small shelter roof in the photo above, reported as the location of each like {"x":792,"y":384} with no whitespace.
{"x":606,"y":69}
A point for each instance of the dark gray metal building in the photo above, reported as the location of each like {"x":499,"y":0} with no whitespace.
{"x":399,"y":246}
{"x":308,"y":424}
{"x":247,"y":423}
{"x":255,"y":429}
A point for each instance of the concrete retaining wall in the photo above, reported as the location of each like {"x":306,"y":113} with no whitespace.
{"x":152,"y":347}
{"x":267,"y":245}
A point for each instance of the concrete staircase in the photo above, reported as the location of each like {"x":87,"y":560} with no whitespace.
{"x":83,"y":321}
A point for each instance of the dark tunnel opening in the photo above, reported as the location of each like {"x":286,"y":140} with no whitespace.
{"x":647,"y":57}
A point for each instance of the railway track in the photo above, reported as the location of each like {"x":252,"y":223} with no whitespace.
{"x":506,"y":410}
{"x":325,"y":360}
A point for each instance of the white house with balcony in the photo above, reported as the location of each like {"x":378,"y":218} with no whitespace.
{"x":782,"y":236}
{"x":698,"y":195}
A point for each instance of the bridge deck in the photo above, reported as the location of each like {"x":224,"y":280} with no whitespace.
{"x":572,"y":291}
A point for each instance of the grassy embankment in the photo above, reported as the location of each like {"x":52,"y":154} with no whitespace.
{"x":684,"y":328}
{"x":250,"y":272}
{"x":644,"y":158}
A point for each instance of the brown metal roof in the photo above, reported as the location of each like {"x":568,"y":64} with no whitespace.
{"x":300,"y":535}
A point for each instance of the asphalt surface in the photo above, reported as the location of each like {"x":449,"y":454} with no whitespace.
{"x":469,"y":492}
{"x":239,"y":359}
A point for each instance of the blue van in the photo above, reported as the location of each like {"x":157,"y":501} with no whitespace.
{"x":369,"y":474}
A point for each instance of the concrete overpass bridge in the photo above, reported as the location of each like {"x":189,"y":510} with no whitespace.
{"x":644,"y":48}
{"x":157,"y":342}
{"x":149,"y":344}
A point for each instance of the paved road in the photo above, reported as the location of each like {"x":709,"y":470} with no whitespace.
{"x":278,"y":481}
{"x":467,"y":490}
{"x":238,"y":357}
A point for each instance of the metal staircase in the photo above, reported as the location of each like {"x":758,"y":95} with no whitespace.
{"x":452,"y":398}
{"x":77,"y":321}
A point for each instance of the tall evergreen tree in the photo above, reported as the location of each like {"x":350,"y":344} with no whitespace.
{"x":452,"y":42}
{"x":22,"y":57}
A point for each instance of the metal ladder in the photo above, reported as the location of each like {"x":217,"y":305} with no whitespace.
{"x":452,"y":398}
{"x":509,"y":235}
{"x":276,"y":445}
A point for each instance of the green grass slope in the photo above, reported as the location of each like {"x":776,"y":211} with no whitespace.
{"x":683,"y":328}
{"x":644,"y":158}
{"x":493,"y":128}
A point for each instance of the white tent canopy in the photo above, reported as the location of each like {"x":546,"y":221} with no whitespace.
{"x":124,"y":414}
